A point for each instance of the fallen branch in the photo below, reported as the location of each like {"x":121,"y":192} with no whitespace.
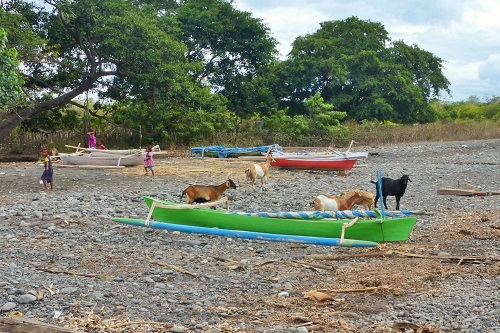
{"x":355,"y":290}
{"x":458,"y":191}
{"x":49,"y":289}
{"x":402,"y":255}
{"x":462,"y":258}
{"x":314,"y":266}
{"x":55,"y":271}
{"x":177,"y":268}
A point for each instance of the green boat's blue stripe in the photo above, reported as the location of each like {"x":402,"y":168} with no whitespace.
{"x":249,"y":234}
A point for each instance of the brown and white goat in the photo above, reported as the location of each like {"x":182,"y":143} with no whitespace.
{"x":259,"y":171}
{"x":332,"y":203}
{"x":368,"y":197}
{"x":206,"y":193}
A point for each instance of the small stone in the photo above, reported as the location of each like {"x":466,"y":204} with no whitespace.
{"x":177,"y":329}
{"x":8,"y":306}
{"x":68,"y":290}
{"x":26,"y":298}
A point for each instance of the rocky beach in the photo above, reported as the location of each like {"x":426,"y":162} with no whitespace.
{"x":64,"y":262}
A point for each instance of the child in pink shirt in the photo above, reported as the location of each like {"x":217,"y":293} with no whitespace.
{"x":148,"y":161}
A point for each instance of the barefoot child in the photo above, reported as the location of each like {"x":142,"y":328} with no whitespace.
{"x":148,"y":161}
{"x":47,"y":175}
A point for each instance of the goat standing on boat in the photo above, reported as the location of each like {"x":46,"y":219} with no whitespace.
{"x":332,"y":203}
{"x":392,"y":187}
{"x":206,"y":193}
{"x":256,"y":171}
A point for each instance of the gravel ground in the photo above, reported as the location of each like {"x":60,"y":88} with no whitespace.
{"x":63,"y":261}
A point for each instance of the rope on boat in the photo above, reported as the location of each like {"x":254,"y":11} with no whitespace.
{"x":345,"y":214}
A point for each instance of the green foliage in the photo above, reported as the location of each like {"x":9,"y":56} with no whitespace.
{"x":355,"y":67}
{"x":471,"y":109}
{"x":234,"y":48}
{"x":321,"y":123}
{"x":57,"y":119}
{"x":10,"y":80}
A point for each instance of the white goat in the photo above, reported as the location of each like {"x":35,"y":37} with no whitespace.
{"x":256,"y":171}
{"x":331,"y":203}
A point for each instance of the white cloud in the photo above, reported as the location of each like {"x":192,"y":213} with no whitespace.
{"x":489,"y":70}
{"x":464,"y":33}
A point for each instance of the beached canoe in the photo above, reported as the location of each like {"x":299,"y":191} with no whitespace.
{"x":247,"y":234}
{"x":101,"y":160}
{"x":333,"y":163}
{"x":227,"y":152}
{"x":376,"y":230}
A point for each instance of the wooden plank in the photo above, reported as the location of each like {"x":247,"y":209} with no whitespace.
{"x":464,"y":192}
{"x":25,"y":325}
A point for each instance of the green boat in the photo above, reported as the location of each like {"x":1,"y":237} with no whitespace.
{"x":376,"y":230}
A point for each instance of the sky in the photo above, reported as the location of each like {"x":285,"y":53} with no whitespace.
{"x":465,"y":34}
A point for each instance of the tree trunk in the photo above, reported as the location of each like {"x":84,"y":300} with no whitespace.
{"x":9,"y":121}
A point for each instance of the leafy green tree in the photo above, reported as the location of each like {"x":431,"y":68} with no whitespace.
{"x":355,"y":67}
{"x":122,"y":49}
{"x":234,"y":48}
{"x":10,"y":80}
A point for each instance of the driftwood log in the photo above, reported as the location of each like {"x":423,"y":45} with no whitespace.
{"x":458,"y":191}
{"x":28,"y":325}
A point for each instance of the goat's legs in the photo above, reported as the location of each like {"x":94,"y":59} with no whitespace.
{"x":397,"y":202}
{"x":385,"y":202}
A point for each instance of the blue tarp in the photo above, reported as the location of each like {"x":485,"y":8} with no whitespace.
{"x":224,"y":152}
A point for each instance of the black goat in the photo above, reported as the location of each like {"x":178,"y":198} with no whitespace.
{"x":393,"y":187}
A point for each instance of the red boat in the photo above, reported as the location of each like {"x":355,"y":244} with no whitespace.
{"x":337,"y":163}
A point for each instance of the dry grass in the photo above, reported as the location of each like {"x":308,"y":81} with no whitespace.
{"x":439,"y":131}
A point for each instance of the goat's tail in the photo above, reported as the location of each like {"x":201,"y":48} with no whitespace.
{"x":371,"y":181}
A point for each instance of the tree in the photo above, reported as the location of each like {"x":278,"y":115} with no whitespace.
{"x":234,"y":48}
{"x":122,"y":49}
{"x":355,"y":67}
{"x":10,"y":80}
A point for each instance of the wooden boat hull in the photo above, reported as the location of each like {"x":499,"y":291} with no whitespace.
{"x":316,"y":163}
{"x":248,"y":234}
{"x":111,"y":160}
{"x":388,"y":230}
{"x":311,"y":155}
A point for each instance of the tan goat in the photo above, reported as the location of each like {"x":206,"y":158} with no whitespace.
{"x":206,"y":193}
{"x":332,"y":203}
{"x":256,"y":171}
{"x":368,"y":197}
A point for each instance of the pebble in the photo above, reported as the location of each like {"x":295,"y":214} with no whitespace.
{"x":111,"y":264}
{"x":8,"y":306}
{"x":26,"y":298}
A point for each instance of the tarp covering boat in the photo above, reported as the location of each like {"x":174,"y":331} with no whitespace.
{"x":226,"y":152}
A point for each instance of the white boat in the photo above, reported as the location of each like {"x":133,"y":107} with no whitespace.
{"x":112,"y":151}
{"x":103,"y":160}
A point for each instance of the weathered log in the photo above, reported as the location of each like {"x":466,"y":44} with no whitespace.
{"x":29,"y":325}
{"x":459,"y":191}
